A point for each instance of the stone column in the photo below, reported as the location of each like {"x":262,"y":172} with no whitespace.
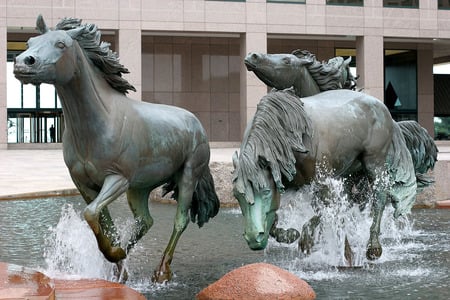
{"x":425,"y":87}
{"x":254,"y":40}
{"x":370,"y":64}
{"x":130,"y":53}
{"x":3,"y":108}
{"x":252,"y":88}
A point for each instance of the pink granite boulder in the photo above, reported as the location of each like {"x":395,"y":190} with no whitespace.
{"x":258,"y":281}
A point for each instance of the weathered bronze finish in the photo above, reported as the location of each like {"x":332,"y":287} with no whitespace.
{"x":302,"y":71}
{"x":348,"y":133}
{"x":114,"y":145}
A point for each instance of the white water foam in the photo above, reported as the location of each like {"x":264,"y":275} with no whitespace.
{"x":71,"y":252}
{"x":71,"y":249}
{"x":339,"y":219}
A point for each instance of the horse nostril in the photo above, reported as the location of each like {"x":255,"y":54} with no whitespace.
{"x":260,"y":237}
{"x":29,"y":60}
{"x":255,"y":56}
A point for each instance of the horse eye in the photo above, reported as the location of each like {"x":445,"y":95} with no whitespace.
{"x":60,"y":45}
{"x":287,"y":60}
{"x":266,"y":192}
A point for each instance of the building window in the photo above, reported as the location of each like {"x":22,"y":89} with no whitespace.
{"x":400,"y":83}
{"x":287,"y":1}
{"x":346,"y":2}
{"x":34,"y":112}
{"x":443,"y":4}
{"x":401,"y":3}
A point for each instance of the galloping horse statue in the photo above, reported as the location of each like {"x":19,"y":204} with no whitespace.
{"x":308,"y":77}
{"x":114,"y":145}
{"x":302,"y":71}
{"x":349,"y":133}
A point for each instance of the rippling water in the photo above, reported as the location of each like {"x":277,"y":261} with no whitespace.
{"x":50,"y":235}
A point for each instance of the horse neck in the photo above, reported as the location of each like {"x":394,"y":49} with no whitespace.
{"x":86,"y":99}
{"x":305,"y":84}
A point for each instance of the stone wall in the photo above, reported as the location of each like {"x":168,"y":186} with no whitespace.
{"x":221,"y":172}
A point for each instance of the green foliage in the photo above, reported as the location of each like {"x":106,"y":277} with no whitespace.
{"x":442,"y":128}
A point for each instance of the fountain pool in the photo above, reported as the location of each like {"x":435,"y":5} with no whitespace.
{"x":49,"y":235}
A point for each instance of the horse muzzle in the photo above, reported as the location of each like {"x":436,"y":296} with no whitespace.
{"x":256,"y":240}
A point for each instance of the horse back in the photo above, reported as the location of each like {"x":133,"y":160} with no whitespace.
{"x":349,"y":125}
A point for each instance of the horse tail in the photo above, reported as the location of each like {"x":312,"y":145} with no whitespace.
{"x":422,"y":148}
{"x":401,"y":171}
{"x":205,"y":203}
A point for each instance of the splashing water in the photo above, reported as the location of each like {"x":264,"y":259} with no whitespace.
{"x":340,"y":219}
{"x":69,"y":256}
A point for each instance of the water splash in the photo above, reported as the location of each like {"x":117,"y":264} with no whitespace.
{"x":341,"y":218}
{"x":71,"y":250}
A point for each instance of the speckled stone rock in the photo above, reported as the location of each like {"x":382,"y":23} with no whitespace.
{"x":259,"y":281}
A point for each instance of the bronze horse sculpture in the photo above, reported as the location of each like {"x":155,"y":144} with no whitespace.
{"x":349,"y":133}
{"x":307,"y":76}
{"x":302,"y":71}
{"x":114,"y":145}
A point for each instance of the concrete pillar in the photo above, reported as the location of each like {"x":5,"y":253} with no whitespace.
{"x":252,"y":89}
{"x":370,"y":65}
{"x":3,"y":100}
{"x":425,"y":87}
{"x":130,"y":52}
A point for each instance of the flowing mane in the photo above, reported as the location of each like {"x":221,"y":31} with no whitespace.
{"x":279,"y":128}
{"x":330,"y":75}
{"x":107,"y":61}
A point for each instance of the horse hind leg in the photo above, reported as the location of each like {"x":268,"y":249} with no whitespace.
{"x":374,"y":168}
{"x":195,"y":168}
{"x":184,"y":200}
{"x":97,"y":216}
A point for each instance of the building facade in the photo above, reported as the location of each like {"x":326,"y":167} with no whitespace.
{"x":190,"y":53}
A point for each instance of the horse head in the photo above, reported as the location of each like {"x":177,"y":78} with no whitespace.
{"x":275,"y":70}
{"x":258,"y":201}
{"x":282,"y":71}
{"x":49,"y":57}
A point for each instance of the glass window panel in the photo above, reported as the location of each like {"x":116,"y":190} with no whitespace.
{"x":12,"y":130}
{"x":14,"y":91}
{"x":444,"y":4}
{"x":401,"y":3}
{"x":47,"y":96}
{"x":29,"y":96}
{"x":287,"y":1}
{"x":346,"y":2}
{"x":58,"y":103}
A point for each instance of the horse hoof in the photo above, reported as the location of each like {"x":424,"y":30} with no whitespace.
{"x":116,"y":254}
{"x":161,"y":277}
{"x":374,"y":253}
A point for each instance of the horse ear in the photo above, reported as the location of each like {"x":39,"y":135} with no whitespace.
{"x":235,"y":160}
{"x":348,"y":61}
{"x":40,"y":24}
{"x":74,"y":33}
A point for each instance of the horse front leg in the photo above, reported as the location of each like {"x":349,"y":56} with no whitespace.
{"x":281,"y":235}
{"x":374,"y":249}
{"x":97,"y":216}
{"x":143,"y":221}
{"x":306,"y":241}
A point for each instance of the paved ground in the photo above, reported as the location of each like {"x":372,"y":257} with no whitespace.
{"x":34,"y":172}
{"x":31,"y":172}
